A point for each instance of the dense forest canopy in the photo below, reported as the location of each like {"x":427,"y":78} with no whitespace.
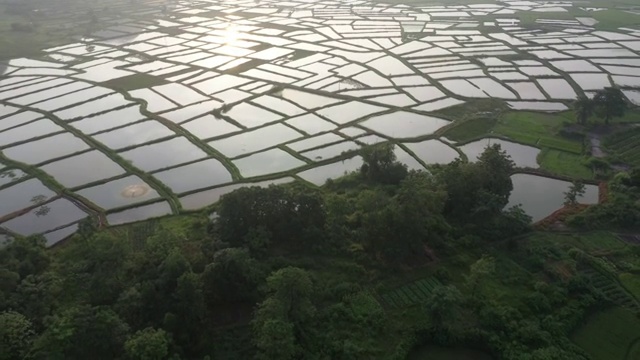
{"x":292,"y":272}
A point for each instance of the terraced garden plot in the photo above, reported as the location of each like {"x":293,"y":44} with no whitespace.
{"x":626,"y":146}
{"x":612,"y":290}
{"x":241,"y":85}
{"x":410,"y":294}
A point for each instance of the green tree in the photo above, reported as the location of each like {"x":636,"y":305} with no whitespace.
{"x":83,"y":332}
{"x":380,"y":165}
{"x":292,"y":288}
{"x":477,"y":192}
{"x":443,"y":306}
{"x":147,"y":344}
{"x":275,"y":339}
{"x":583,"y":109}
{"x":576,"y":191}
{"x":281,"y":318}
{"x":479,"y":272}
{"x":16,"y":335}
{"x":610,"y":103}
{"x":292,"y":216}
{"x":497,"y":167}
{"x":232,"y":277}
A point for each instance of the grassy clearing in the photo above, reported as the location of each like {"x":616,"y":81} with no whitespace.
{"x":613,"y":19}
{"x":609,"y":335}
{"x":470,"y":129}
{"x":599,"y":241}
{"x":594,"y":242}
{"x":432,"y":352}
{"x":631,"y":282}
{"x":537,"y":129}
{"x":564,"y":163}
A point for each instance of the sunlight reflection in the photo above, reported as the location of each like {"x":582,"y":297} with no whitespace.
{"x":231,"y":35}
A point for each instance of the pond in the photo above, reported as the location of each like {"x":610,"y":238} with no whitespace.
{"x":541,"y":196}
{"x":522,"y":155}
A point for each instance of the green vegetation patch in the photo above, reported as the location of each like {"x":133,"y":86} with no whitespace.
{"x":537,"y":129}
{"x":133,"y":82}
{"x":471,"y":129}
{"x":432,"y":352}
{"x":598,"y":241}
{"x":564,"y":163}
{"x":625,"y":145}
{"x":631,"y":282}
{"x":609,"y":335}
{"x":411,"y":294}
{"x":613,"y":19}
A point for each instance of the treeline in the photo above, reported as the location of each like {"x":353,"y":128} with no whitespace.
{"x":287,"y":272}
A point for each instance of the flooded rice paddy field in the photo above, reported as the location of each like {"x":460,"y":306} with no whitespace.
{"x":151,"y":117}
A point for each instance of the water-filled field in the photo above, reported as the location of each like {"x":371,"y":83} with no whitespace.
{"x":151,"y":117}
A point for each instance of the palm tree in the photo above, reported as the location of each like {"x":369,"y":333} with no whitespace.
{"x":610,"y":103}
{"x":583,"y":109}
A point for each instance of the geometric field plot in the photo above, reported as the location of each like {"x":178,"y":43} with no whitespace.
{"x":83,"y":169}
{"x":163,"y":154}
{"x":402,"y":124}
{"x":251,"y":115}
{"x":209,"y":126}
{"x":591,"y":81}
{"x":38,"y":151}
{"x":46,"y":217}
{"x":206,"y":173}
{"x":108,"y":120}
{"x":135,"y":134}
{"x":119,"y":193}
{"x":255,"y":140}
{"x":267,"y":162}
{"x":22,"y":195}
{"x":558,"y":89}
{"x":344,"y":113}
{"x":29,"y":131}
{"x":139,"y":213}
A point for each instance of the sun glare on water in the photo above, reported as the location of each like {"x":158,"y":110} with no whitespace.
{"x":231,"y":35}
